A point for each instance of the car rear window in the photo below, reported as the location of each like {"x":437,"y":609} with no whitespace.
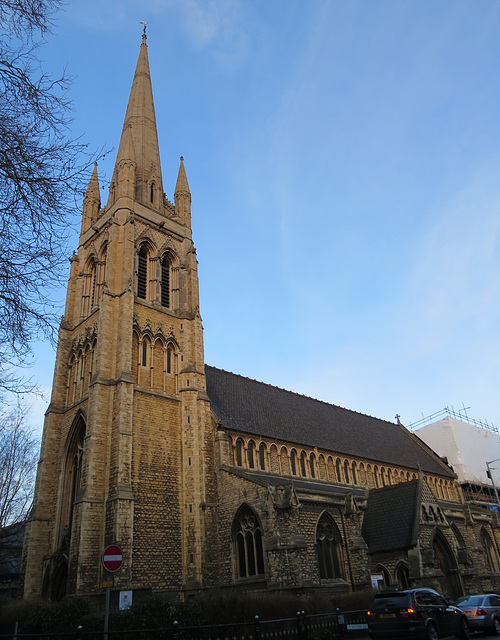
{"x":470,"y":601}
{"x":391,"y":600}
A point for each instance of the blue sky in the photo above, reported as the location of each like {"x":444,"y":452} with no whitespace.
{"x":344,"y":164}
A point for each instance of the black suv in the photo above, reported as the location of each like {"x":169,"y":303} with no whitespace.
{"x":415,"y":613}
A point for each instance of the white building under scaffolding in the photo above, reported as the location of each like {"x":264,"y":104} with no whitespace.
{"x":471,"y":447}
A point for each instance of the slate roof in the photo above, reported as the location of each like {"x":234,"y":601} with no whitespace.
{"x":389,"y":519}
{"x":259,"y":409}
{"x":299,"y":484}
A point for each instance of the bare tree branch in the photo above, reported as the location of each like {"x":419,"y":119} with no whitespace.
{"x":18,"y":460}
{"x":42,"y":174}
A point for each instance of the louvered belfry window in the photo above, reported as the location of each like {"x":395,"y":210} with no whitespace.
{"x":142,"y":273}
{"x":165,"y":282}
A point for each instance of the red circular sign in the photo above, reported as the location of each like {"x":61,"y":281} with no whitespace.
{"x":112,"y":558}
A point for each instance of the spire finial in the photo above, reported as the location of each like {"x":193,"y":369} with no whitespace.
{"x":145,"y":25}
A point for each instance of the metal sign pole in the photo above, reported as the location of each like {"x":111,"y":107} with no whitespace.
{"x":106,"y":614}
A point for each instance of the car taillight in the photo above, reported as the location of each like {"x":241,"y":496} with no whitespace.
{"x":480,"y":612}
{"x":370,"y":615}
{"x":408,"y":613}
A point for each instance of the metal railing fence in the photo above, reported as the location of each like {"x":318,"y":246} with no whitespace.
{"x":321,"y":626}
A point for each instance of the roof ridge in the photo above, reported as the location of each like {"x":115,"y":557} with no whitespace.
{"x":302,"y":395}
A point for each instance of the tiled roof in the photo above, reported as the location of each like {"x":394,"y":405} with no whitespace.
{"x":299,"y":484}
{"x":265,"y":411}
{"x":390,"y":517}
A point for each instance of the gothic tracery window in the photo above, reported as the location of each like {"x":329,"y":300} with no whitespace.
{"x":247,"y":540}
{"x":329,"y":549}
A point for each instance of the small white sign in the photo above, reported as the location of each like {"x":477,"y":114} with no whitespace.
{"x":377,"y":580}
{"x":125,"y":599}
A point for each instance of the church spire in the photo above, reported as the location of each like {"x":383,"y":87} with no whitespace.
{"x":138,"y":149}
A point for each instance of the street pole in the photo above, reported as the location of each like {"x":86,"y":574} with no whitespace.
{"x":490,"y":476}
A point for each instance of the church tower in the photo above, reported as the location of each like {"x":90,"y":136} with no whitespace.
{"x":127,"y":444}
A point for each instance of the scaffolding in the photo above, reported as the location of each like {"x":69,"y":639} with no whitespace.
{"x":458,"y":415}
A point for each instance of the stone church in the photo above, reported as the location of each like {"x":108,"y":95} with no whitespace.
{"x":206,"y":479}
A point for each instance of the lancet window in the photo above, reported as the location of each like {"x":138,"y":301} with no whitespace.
{"x":166,"y":265}
{"x":329,"y":549}
{"x":142,"y":272}
{"x":72,"y":478}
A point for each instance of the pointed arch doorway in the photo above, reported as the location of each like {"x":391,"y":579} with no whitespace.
{"x":447,"y":563}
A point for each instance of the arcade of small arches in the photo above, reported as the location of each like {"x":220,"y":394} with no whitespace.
{"x":157,"y":275}
{"x":288,"y":461}
{"x":248,"y":553}
{"x":81,"y":367}
{"x":155,"y":361}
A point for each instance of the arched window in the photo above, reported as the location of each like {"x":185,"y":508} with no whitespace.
{"x":382,"y":476}
{"x":93,"y":273}
{"x":145,"y":352}
{"x":247,"y":541}
{"x":329,"y":549}
{"x":375,"y":476}
{"x":250,"y":453}
{"x":303,"y":464}
{"x":337,"y":467}
{"x":170,"y":359}
{"x":312,"y":464}
{"x":353,"y":473}
{"x":165,"y":281}
{"x":490,"y":553}
{"x":346,"y":472}
{"x":239,"y":452}
{"x":458,"y":536}
{"x":72,"y":478}
{"x":293,"y":461}
{"x":262,"y":456}
{"x":389,"y":477}
{"x":402,"y":577}
{"x":441,"y":492}
{"x":142,"y":272}
{"x":152,"y":193}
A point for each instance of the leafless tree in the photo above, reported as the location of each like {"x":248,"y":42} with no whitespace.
{"x":18,"y":459}
{"x":42,"y":169}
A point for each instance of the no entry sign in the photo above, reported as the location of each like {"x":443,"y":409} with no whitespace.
{"x":112,"y":558}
